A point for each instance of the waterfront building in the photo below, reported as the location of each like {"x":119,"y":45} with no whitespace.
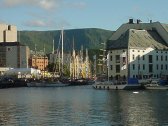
{"x":38,"y":60}
{"x":13,"y":55}
{"x":138,"y":50}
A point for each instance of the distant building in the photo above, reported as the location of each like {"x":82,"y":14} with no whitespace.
{"x":38,"y":61}
{"x":14,"y":55}
{"x":8,"y":33}
{"x":138,"y":50}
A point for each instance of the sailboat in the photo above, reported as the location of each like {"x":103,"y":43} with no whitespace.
{"x":49,"y":83}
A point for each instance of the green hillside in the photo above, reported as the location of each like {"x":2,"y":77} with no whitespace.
{"x":90,"y":38}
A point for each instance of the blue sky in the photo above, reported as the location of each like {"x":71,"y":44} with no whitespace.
{"x":72,"y":14}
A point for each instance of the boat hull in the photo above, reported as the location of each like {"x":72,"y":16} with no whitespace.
{"x":156,"y":87}
{"x":117,"y":87}
{"x":47,"y":84}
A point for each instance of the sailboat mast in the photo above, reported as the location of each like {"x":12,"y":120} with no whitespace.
{"x":53,"y":47}
{"x":62,"y":33}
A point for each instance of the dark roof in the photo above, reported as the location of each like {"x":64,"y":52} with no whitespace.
{"x":138,"y":38}
{"x":120,"y":43}
{"x":11,"y":44}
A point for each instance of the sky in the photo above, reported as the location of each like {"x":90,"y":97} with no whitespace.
{"x":42,"y":15}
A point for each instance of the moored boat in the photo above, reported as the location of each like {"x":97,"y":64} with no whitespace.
{"x":44,"y":83}
{"x":116,"y":86}
{"x":155,"y":86}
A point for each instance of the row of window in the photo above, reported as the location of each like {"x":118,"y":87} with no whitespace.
{"x":150,"y":58}
{"x":144,"y":51}
{"x":145,"y":76}
{"x":39,"y":62}
{"x":157,"y":66}
{"x":117,"y":58}
{"x":142,"y":67}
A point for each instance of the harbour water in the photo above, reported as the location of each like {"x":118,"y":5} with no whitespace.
{"x":82,"y":106}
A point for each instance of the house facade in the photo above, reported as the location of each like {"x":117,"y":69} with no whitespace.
{"x":138,"y":52}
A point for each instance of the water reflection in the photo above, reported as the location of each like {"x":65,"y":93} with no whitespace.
{"x":74,"y":106}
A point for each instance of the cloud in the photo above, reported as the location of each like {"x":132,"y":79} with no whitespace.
{"x":47,"y":24}
{"x":44,"y":4}
{"x":78,"y":5}
{"x":37,"y":23}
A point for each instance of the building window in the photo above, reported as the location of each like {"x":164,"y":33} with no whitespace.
{"x":111,"y":52}
{"x":132,"y":50}
{"x":165,"y":58}
{"x":117,"y":58}
{"x":157,"y":66}
{"x":161,"y":58}
{"x":111,"y":67}
{"x":111,"y":58}
{"x":139,"y":67}
{"x":166,"y":66}
{"x":143,"y":66}
{"x":150,"y":59}
{"x":150,"y":68}
{"x":133,"y":66}
{"x":117,"y":68}
{"x":123,"y":50}
{"x":162,"y":67}
{"x":9,"y":49}
{"x":157,"y":58}
{"x":138,"y":57}
{"x":143,"y":57}
{"x":124,"y":60}
{"x":133,"y":57}
{"x":138,"y":51}
{"x":156,"y":51}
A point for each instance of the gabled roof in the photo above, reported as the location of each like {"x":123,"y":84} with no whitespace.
{"x":120,"y":43}
{"x":138,"y":38}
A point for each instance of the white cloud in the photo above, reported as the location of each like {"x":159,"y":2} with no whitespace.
{"x":44,"y":4}
{"x":36,"y":23}
{"x":47,"y":24}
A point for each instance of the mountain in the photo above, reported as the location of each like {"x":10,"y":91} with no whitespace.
{"x":90,"y":38}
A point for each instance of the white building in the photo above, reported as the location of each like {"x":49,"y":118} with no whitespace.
{"x":138,"y":50}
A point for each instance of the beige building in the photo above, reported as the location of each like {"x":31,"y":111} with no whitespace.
{"x":8,"y":33}
{"x":138,"y":50}
{"x":12,"y":53}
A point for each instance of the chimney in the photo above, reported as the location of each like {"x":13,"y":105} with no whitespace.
{"x":131,"y":21}
{"x":138,"y":21}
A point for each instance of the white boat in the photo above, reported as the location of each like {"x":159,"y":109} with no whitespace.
{"x":116,"y":86}
{"x":47,"y":84}
{"x":155,"y":86}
